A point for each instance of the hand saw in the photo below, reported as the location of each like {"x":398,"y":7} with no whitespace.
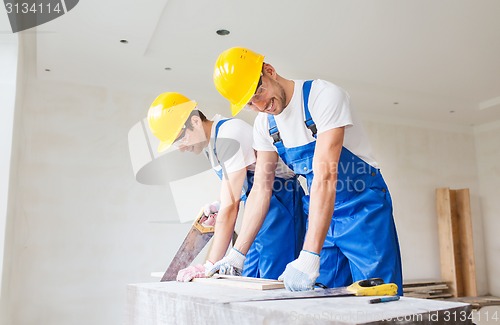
{"x":197,"y":237}
{"x":369,"y":287}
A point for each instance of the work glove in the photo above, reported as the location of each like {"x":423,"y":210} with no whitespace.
{"x":211,"y":208}
{"x":301,"y":274}
{"x":231,"y":264}
{"x":193,"y":271}
{"x":210,"y":212}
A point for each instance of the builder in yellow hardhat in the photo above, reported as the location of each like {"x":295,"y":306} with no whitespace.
{"x":309,"y":125}
{"x":174,"y":119}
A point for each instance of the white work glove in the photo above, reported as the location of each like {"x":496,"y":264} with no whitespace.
{"x":194,"y":271}
{"x":301,"y":274}
{"x":210,"y":211}
{"x":211,"y":208}
{"x":231,"y":264}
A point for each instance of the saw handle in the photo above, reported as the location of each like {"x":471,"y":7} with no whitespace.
{"x":199,"y":226}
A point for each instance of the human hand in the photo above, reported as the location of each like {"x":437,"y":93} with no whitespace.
{"x":210,"y":211}
{"x":301,"y":274}
{"x":193,"y":271}
{"x":211,"y":208}
{"x":231,"y":264}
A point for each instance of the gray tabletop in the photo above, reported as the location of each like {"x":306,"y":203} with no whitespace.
{"x":197,"y":303}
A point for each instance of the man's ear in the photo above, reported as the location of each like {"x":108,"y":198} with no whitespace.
{"x":269,"y":70}
{"x":195,"y":120}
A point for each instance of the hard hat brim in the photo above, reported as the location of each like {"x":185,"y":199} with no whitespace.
{"x":163,"y":146}
{"x":235,"y":109}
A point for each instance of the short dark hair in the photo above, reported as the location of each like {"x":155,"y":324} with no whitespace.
{"x":195,"y":113}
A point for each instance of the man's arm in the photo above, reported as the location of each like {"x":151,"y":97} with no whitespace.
{"x":323,"y":188}
{"x":256,"y":209}
{"x":226,"y":218}
{"x":257,"y":204}
{"x":302,"y":273}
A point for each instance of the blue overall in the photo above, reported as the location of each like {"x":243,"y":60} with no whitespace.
{"x":281,"y":236}
{"x":361,"y":241}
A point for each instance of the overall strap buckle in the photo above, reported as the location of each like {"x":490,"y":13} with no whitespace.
{"x":312,"y":127}
{"x":275,"y":134}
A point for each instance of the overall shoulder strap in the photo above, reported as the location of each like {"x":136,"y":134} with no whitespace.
{"x":275,"y":134}
{"x":223,"y":173}
{"x":217,"y":126}
{"x":306,"y":89}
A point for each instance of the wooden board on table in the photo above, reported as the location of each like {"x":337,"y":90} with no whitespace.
{"x":242,"y":282}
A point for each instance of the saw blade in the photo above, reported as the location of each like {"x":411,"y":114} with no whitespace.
{"x":368,"y":287}
{"x":190,"y":248}
{"x":317,"y":293}
{"x":282,"y":294}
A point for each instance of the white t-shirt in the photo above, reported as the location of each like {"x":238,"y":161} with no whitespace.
{"x":234,"y":148}
{"x":329,"y":107}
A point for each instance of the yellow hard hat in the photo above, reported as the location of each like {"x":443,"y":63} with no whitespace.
{"x":236,"y":75}
{"x":167,"y":115}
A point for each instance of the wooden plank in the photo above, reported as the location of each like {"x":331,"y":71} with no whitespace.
{"x":456,"y":245}
{"x":426,"y":288}
{"x":244,"y":278}
{"x":429,"y":296}
{"x":242,"y":282}
{"x":445,"y":210}
{"x":467,"y":260}
{"x":478,"y":302}
{"x":418,"y":283}
{"x":455,"y":241}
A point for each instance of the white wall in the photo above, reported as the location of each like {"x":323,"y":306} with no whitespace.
{"x":488,"y":157}
{"x":83,"y":228}
{"x":415,"y":160}
{"x":8,"y":80}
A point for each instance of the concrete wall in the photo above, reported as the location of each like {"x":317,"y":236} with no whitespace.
{"x":488,"y":158}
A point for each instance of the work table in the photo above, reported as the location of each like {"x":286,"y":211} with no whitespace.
{"x":200,"y":303}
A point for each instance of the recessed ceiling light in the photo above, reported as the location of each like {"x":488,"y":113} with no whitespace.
{"x":123,"y":41}
{"x":222,"y":32}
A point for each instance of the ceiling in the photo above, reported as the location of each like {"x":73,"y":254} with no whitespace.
{"x":424,"y":60}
